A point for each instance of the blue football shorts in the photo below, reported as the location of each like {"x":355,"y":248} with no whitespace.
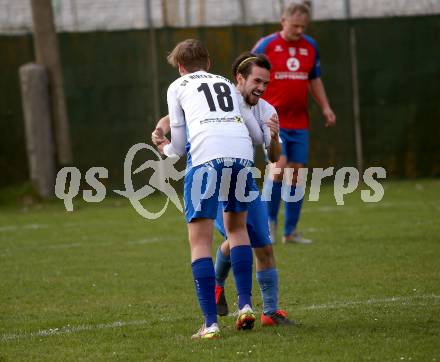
{"x":202,"y":192}
{"x":295,"y":145}
{"x":257,"y":223}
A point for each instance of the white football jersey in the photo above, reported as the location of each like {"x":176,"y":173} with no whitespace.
{"x":208,"y":106}
{"x":262,"y":112}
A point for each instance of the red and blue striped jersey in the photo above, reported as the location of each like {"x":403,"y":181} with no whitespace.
{"x":294,"y":63}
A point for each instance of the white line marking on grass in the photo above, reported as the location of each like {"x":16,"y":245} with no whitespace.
{"x":399,"y":204}
{"x":72,"y":245}
{"x":145,"y":241}
{"x":311,"y":230}
{"x":64,"y":246}
{"x":373,"y":301}
{"x":34,"y":226}
{"x":364,"y":228}
{"x":69,"y":330}
{"x":153,"y":240}
{"x":8,"y":228}
{"x":328,"y":209}
{"x":119,"y":324}
{"x":16,"y":227}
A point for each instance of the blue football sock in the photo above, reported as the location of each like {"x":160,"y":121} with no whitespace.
{"x":273,"y":205}
{"x":268,"y":281}
{"x":222,"y":267}
{"x":293,"y":210}
{"x":241,"y":260}
{"x":204,"y":281}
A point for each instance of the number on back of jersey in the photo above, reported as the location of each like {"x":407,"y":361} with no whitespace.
{"x":223,"y":93}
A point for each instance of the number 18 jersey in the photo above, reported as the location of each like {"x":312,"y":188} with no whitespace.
{"x":207,"y":105}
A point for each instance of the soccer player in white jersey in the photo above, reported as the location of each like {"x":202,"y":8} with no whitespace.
{"x":252,"y":74}
{"x":206,"y":123}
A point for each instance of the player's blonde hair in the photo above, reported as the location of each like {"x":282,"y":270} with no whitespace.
{"x":293,"y":8}
{"x":191,"y":54}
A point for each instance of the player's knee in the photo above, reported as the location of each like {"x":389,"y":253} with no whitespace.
{"x":294,"y":170}
{"x":265,"y":257}
{"x":224,"y":247}
{"x":294,"y":177}
{"x":278,"y":177}
{"x":277,"y":170}
{"x":234,"y":222}
{"x":237,"y":236}
{"x":235,"y":229}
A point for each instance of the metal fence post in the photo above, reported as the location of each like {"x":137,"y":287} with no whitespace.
{"x":153,"y":59}
{"x":355,"y":90}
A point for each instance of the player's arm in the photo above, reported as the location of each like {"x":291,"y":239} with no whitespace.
{"x":162,"y":128}
{"x":274,"y":148}
{"x":318,"y":92}
{"x":178,"y":141}
{"x":267,"y":129}
{"x":177,"y":126}
{"x":254,"y":128}
{"x":274,"y":151}
{"x":164,"y":124}
{"x":270,"y":125}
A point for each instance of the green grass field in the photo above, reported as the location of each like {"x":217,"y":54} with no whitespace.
{"x":102,"y":283}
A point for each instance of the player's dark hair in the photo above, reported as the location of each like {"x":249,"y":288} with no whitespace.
{"x":245,"y":61}
{"x":191,"y":54}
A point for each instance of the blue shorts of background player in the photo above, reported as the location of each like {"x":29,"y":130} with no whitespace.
{"x":267,"y":275}
{"x":295,"y":145}
{"x":295,"y":148}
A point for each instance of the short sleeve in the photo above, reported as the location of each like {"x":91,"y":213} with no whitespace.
{"x":315,"y":72}
{"x":262,"y":44}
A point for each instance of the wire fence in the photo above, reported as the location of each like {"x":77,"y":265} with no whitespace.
{"x":115,"y":92}
{"x":87,"y":15}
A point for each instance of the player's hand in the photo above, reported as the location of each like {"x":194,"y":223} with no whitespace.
{"x":161,"y":145}
{"x":158,"y":136}
{"x":274,"y":126}
{"x":330,"y":117}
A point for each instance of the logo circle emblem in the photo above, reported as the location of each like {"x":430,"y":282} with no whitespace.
{"x":292,"y":64}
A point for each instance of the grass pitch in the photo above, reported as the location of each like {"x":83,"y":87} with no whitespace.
{"x":102,"y":283}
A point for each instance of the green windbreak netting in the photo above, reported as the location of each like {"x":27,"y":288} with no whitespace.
{"x":108,"y":86}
